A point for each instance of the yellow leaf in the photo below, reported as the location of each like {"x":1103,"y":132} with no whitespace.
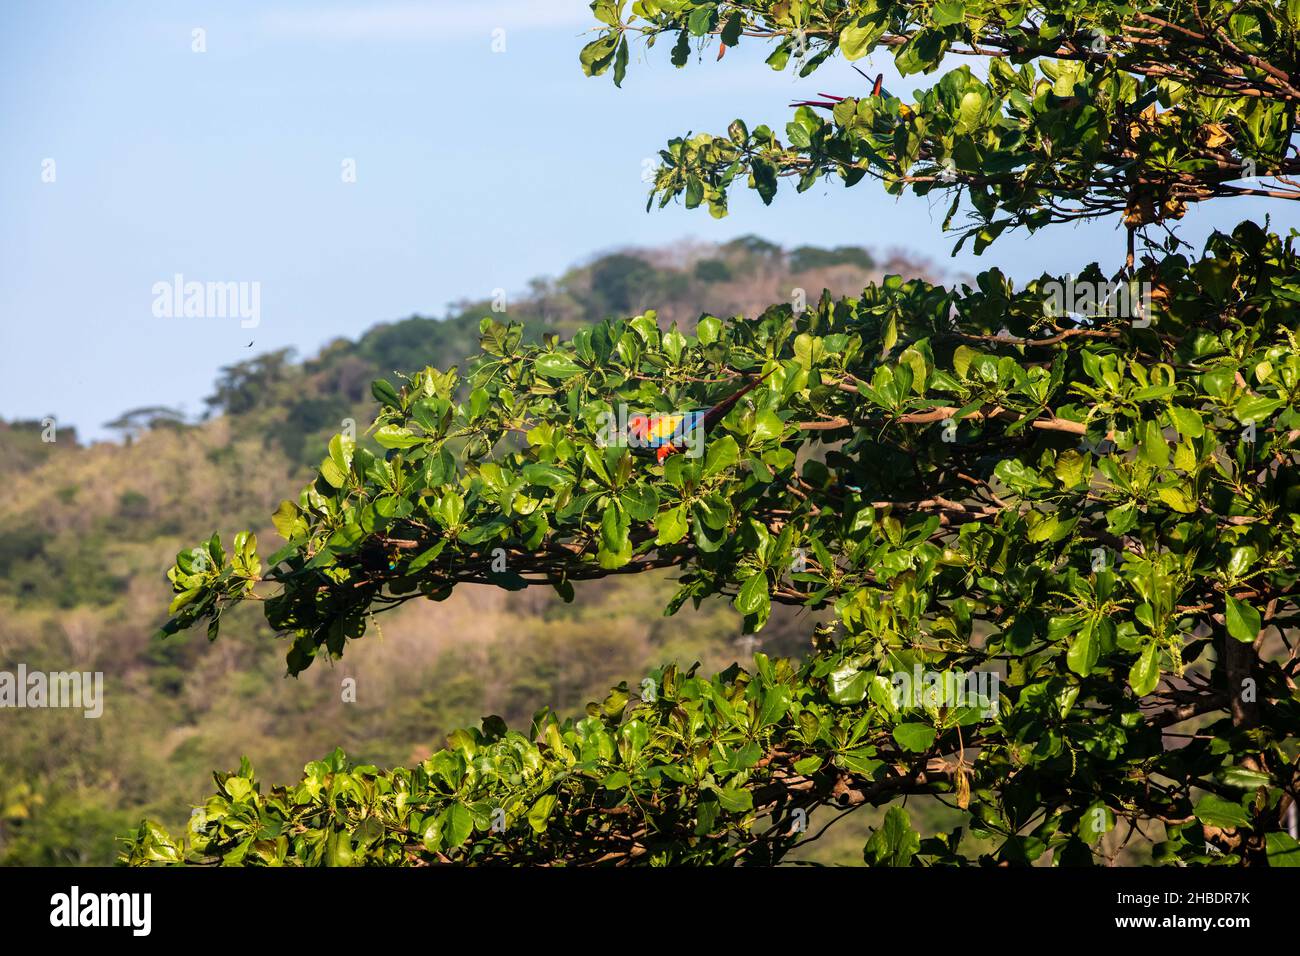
{"x":1213,"y":134}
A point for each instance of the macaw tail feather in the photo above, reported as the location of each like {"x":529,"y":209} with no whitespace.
{"x":719,"y":411}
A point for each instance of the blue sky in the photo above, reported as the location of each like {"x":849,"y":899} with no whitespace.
{"x":475,"y":170}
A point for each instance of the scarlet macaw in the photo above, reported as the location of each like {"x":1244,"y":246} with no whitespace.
{"x":877,"y":90}
{"x":669,"y":432}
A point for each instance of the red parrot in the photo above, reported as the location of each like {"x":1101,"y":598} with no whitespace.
{"x":668,"y":432}
{"x":877,"y":90}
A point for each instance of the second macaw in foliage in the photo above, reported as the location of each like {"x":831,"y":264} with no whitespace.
{"x":669,"y":432}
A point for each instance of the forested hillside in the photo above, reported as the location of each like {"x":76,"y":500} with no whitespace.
{"x":86,"y":532}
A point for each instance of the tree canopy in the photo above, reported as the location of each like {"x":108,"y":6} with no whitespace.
{"x":1086,"y":486}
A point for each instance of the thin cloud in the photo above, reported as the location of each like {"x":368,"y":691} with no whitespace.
{"x":425,"y":21}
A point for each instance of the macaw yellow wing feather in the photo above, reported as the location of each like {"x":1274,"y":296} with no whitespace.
{"x":664,"y":426}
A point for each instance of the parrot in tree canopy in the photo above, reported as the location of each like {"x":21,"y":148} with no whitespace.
{"x":668,"y":432}
{"x":877,"y":91}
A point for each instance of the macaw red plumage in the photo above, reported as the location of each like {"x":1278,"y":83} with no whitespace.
{"x":667,"y":432}
{"x":659,"y":431}
{"x":877,"y":90}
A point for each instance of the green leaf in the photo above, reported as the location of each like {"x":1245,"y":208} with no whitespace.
{"x":807,"y":765}
{"x":596,"y":56}
{"x":1255,"y":408}
{"x":595,"y":460}
{"x":915,"y":737}
{"x":1247,"y":779}
{"x":425,"y":557}
{"x":671,"y":526}
{"x":613,"y":527}
{"x":1282,"y":850}
{"x":708,"y":330}
{"x":1084,"y":650}
{"x":620,"y":62}
{"x":1240,"y":562}
{"x":776,"y":701}
{"x":1242,"y":619}
{"x":334,"y":469}
{"x":753,"y":597}
{"x":556,"y":365}
{"x":338,"y":849}
{"x":1070,"y":468}
{"x":391,"y":436}
{"x":681,"y":51}
{"x":847,"y":684}
{"x":735,"y":799}
{"x":548,"y":476}
{"x":431,"y":836}
{"x":607,"y":11}
{"x":948,"y":13}
{"x":858,"y":38}
{"x":384,"y":393}
{"x":541,"y":811}
{"x":1176,"y":498}
{"x":288,"y":520}
{"x":894,"y":843}
{"x":731,"y":32}
{"x":1217,"y":812}
{"x":889,"y":337}
{"x":1097,"y":820}
{"x":767,"y":425}
{"x":722,"y":454}
{"x":1187,"y":421}
{"x":616,"y":700}
{"x":640,"y":502}
{"x":764,"y":175}
{"x":808,"y":351}
{"x":702,"y":20}
{"x":1145,"y":673}
{"x":184,"y":598}
{"x":1218,"y":383}
{"x":1154,"y":448}
{"x":861,"y":761}
{"x":962,"y":358}
{"x":457,"y":825}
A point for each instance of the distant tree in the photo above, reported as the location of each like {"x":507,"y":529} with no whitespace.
{"x":622,"y":283}
{"x":813,"y":257}
{"x":132,"y":423}
{"x":755,"y":246}
{"x":713,"y":270}
{"x":244,"y":386}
